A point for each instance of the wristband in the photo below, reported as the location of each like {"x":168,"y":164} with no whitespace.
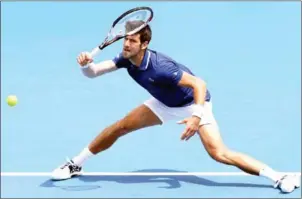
{"x":198,"y":110}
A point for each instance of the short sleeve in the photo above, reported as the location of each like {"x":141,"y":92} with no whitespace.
{"x":120,"y":61}
{"x":170,"y":73}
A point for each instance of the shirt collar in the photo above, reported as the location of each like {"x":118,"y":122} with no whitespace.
{"x":146,"y":61}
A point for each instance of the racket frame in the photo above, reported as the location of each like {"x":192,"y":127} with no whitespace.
{"x":106,"y":43}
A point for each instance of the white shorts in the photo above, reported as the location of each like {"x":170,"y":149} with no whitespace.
{"x":165,"y":113}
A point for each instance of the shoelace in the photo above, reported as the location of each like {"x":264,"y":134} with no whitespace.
{"x":68,"y":162}
{"x":279,"y":181}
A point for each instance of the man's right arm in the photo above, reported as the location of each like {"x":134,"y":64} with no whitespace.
{"x":93,"y":70}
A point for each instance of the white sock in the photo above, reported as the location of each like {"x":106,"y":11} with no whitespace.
{"x":270,"y":174}
{"x":82,"y":157}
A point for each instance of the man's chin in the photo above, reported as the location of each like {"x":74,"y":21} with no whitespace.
{"x":126,"y":55}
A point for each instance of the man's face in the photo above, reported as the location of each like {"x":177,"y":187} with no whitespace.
{"x":132,"y":46}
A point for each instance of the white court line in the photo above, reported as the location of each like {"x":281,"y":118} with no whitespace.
{"x":141,"y":173}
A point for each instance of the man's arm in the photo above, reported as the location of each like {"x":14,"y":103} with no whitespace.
{"x":93,"y":70}
{"x":173,"y":75}
{"x":197,"y":84}
{"x":199,"y":88}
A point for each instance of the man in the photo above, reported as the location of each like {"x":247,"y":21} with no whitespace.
{"x":176,"y":93}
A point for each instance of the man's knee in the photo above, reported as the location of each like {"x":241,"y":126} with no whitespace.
{"x":219,"y":154}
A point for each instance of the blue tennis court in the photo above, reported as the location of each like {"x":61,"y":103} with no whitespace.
{"x":249,"y":53}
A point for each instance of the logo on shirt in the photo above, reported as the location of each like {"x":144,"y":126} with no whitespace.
{"x":151,"y":80}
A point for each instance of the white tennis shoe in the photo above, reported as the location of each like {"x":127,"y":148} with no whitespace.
{"x":288,"y":183}
{"x":66,"y":171}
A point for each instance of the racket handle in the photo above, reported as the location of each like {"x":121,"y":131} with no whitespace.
{"x":95,"y":51}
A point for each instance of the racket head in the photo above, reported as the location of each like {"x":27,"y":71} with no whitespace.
{"x":128,"y":23}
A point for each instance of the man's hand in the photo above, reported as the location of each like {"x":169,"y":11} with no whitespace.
{"x":84,"y":58}
{"x":192,"y":124}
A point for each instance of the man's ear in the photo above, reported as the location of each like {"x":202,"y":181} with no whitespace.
{"x":145,"y":45}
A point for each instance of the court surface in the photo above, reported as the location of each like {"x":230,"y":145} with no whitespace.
{"x":249,"y":53}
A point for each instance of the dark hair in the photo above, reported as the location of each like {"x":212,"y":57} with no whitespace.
{"x":145,"y":33}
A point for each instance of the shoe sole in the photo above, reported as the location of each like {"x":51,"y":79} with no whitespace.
{"x":71,"y":176}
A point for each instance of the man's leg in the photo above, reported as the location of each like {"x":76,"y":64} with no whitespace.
{"x":138,"y":118}
{"x":211,"y":139}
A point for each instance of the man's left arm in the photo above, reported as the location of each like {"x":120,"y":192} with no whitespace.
{"x":199,"y":87}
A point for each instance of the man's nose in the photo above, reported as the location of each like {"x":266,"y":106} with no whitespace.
{"x":126,"y":43}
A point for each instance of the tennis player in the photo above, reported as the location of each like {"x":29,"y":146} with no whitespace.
{"x":176,"y":93}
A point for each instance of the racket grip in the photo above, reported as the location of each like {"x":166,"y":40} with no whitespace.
{"x":95,"y":51}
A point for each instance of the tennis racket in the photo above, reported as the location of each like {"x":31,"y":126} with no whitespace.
{"x":128,"y":23}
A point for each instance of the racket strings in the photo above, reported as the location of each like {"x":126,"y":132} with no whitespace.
{"x":131,"y":23}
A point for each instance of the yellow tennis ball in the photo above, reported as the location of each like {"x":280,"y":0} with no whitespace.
{"x":12,"y":100}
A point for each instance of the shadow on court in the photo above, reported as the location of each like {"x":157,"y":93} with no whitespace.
{"x":172,"y":182}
